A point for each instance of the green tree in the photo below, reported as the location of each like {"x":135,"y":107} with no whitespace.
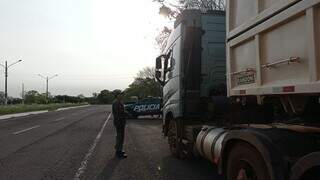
{"x":162,"y":37}
{"x":34,"y":96}
{"x":106,"y":96}
{"x":30,"y":96}
{"x":172,"y":9}
{"x":1,"y":97}
{"x":144,"y":85}
{"x":115,"y":92}
{"x":81,"y":98}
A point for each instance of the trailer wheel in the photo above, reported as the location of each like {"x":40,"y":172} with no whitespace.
{"x":174,"y":144}
{"x":312,"y":174}
{"x":246,"y":163}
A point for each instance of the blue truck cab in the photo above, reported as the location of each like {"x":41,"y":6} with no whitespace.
{"x":192,"y":65}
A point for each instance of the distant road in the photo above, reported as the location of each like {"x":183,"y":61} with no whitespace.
{"x":78,"y":144}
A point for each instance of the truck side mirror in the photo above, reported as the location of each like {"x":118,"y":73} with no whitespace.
{"x":159,"y":62}
{"x":158,"y":74}
{"x":158,"y":77}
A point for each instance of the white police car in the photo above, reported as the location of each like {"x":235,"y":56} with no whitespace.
{"x":147,"y":106}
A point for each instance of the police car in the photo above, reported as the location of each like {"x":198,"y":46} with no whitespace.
{"x":147,"y":106}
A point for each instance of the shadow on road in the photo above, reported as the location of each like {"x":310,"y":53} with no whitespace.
{"x":149,"y":118}
{"x":108,"y":169}
{"x":145,"y":122}
{"x":191,"y":169}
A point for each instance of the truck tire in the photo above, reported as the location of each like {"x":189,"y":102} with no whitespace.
{"x":312,"y":174}
{"x":174,"y":144}
{"x":246,"y":163}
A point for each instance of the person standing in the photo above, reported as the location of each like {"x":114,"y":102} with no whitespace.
{"x":119,"y":123}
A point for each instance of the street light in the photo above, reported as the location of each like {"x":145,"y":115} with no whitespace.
{"x":47,"y":83}
{"x":6,"y":67}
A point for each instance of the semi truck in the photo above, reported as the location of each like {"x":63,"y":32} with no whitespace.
{"x":241,"y":88}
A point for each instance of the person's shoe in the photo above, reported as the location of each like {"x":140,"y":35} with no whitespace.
{"x":121,"y":155}
{"x":124,"y":154}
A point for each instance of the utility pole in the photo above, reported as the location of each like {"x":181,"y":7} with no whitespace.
{"x":47,"y":83}
{"x":6,"y":84}
{"x":47,"y":88}
{"x":22,"y":93}
{"x":6,"y":67}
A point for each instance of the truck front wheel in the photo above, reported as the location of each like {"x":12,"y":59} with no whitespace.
{"x":246,"y":163}
{"x":173,"y":141}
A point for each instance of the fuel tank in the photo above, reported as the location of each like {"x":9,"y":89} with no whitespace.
{"x":209,"y":142}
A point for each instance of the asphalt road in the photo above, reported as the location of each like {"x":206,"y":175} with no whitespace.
{"x":78,"y":144}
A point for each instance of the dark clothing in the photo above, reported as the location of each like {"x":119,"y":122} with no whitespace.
{"x":120,"y":138}
{"x":118,"y":113}
{"x":119,"y":123}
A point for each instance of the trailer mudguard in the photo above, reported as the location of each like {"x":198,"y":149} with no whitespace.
{"x":304,"y":164}
{"x":271,"y":155}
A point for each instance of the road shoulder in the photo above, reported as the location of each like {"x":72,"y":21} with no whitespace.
{"x":9,"y":116}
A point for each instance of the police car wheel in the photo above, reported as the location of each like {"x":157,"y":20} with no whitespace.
{"x":173,"y":140}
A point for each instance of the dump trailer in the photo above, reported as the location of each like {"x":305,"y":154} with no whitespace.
{"x":241,"y":88}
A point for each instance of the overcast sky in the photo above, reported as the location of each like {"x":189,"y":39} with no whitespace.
{"x":91,"y":44}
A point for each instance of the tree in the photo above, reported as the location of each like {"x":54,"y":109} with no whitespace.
{"x":81,"y":98}
{"x":144,"y":85}
{"x":30,"y":96}
{"x":69,"y":99}
{"x":34,"y":96}
{"x":204,"y":5}
{"x":147,"y":72}
{"x":106,"y":96}
{"x":115,"y":92}
{"x":12,"y":100}
{"x":94,"y":95}
{"x":162,"y":37}
{"x":2,"y":97}
{"x":173,"y":8}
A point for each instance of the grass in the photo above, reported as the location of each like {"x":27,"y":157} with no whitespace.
{"x":12,"y":109}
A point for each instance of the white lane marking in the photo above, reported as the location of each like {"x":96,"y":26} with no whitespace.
{"x":25,"y":130}
{"x":59,"y":119}
{"x":84,"y":162}
{"x":61,"y":109}
{"x":17,"y":115}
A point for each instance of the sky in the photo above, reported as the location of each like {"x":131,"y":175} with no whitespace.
{"x":91,"y":44}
